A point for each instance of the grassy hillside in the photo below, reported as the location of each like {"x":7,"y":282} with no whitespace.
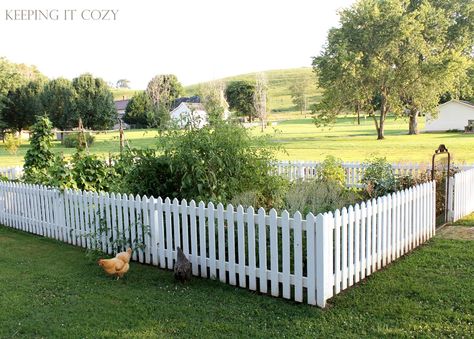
{"x":279,"y":83}
{"x":123,"y":93}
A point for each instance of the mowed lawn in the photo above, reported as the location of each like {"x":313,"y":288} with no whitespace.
{"x":49,"y":289}
{"x":352,"y":142}
{"x":302,"y":140}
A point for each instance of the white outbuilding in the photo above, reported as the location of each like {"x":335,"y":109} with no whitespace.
{"x":189,"y":115}
{"x":452,"y":115}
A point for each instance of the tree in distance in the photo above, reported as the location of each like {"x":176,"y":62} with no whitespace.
{"x":22,"y":105}
{"x":163,"y":90}
{"x":94,"y":102}
{"x":240,"y":96}
{"x":59,"y":103}
{"x":123,"y":83}
{"x":213,"y":99}
{"x":299,"y":93}
{"x":138,"y":110}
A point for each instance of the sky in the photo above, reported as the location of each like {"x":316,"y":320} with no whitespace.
{"x":197,"y":40}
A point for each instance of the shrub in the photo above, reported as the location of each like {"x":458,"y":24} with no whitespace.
{"x":331,"y":170}
{"x":12,"y":143}
{"x":72,"y":140}
{"x":150,"y":175}
{"x":379,"y":178}
{"x":91,"y":173}
{"x":216,"y":163}
{"x":319,"y":196}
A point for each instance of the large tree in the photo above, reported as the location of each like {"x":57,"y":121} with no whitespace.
{"x":59,"y":98}
{"x":387,"y":56}
{"x":212,"y":97}
{"x":299,"y":93}
{"x":240,"y":96}
{"x":139,"y":109}
{"x":163,"y":90}
{"x":94,"y":102}
{"x":13,"y":76}
{"x":260,"y":99}
{"x":22,"y":105}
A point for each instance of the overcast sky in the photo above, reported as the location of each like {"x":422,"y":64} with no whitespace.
{"x":198,"y":40}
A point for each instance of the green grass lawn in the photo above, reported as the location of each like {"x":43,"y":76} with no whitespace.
{"x":352,"y":142}
{"x":466,"y":221}
{"x":304,"y":141}
{"x":49,"y":289}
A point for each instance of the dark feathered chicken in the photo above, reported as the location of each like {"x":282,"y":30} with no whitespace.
{"x":182,"y":267}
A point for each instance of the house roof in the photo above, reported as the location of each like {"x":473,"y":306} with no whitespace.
{"x":120,"y":105}
{"x":194,"y":99}
{"x":463,"y":102}
{"x":467,"y":102}
{"x":191,"y":106}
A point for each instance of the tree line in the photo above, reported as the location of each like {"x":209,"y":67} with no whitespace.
{"x":25,"y":93}
{"x":396,"y":56}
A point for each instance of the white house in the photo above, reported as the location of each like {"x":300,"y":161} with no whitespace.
{"x":452,"y":115}
{"x":190,"y":115}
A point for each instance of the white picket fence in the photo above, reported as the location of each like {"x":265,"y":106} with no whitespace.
{"x":354,"y":171}
{"x":463,"y":203}
{"x":307,"y":259}
{"x":12,"y":173}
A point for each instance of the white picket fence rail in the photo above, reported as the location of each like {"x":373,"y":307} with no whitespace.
{"x":12,"y":173}
{"x":463,"y":203}
{"x":307,"y":258}
{"x":354,"y":171}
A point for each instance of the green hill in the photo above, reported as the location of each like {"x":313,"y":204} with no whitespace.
{"x":279,"y":82}
{"x":123,"y":93}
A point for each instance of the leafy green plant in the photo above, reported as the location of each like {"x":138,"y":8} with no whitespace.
{"x":379,"y":178}
{"x":39,"y":157}
{"x":151,"y":175}
{"x":91,"y":173}
{"x":215,"y":163}
{"x":73,"y":140}
{"x":60,"y":174}
{"x":102,"y":236}
{"x":331,"y":170}
{"x":12,"y":143}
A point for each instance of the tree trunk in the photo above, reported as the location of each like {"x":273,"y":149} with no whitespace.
{"x":383,"y":115}
{"x":358,"y":114}
{"x":413,"y":124}
{"x":380,"y":130}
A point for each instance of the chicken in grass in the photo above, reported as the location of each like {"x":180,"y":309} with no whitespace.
{"x":117,"y":266}
{"x":182,"y":267}
{"x":125,"y":256}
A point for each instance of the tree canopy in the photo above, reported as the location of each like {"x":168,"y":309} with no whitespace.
{"x":240,"y":96}
{"x":22,"y":105}
{"x":94,"y":103}
{"x":139,"y":109}
{"x":392,"y":56}
{"x":59,"y":103}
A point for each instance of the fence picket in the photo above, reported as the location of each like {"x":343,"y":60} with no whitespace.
{"x":212,"y":241}
{"x":262,"y":250}
{"x":251,"y":249}
{"x":274,"y":253}
{"x":221,"y":242}
{"x":298,"y":256}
